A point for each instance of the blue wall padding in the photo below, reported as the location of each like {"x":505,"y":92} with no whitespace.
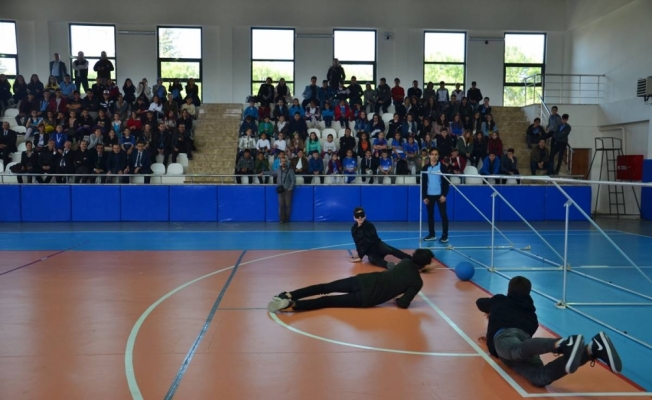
{"x":555,"y":200}
{"x":529,"y":201}
{"x":336,"y":203}
{"x":302,"y":204}
{"x":239,"y":203}
{"x":95,"y":203}
{"x":384,"y":203}
{"x":646,"y":193}
{"x":414,"y":199}
{"x":145,"y":203}
{"x":197,"y":203}
{"x":45,"y":203}
{"x":10,"y":203}
{"x":480,"y":196}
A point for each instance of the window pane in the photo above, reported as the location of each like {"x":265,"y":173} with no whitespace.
{"x":528,"y":49}
{"x":517,"y":74}
{"x":514,"y":96}
{"x":362,"y":72}
{"x":179,"y":42}
{"x":451,"y":74}
{"x":261,"y":70}
{"x":272,"y":44}
{"x":355,"y":45}
{"x":8,"y":35}
{"x":255,"y":87}
{"x":445,"y":47}
{"x":92,"y":75}
{"x":8,"y":66}
{"x":182,"y":70}
{"x":92,"y":40}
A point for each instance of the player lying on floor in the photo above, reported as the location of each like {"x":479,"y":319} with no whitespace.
{"x":363,"y":290}
{"x":513,"y":321}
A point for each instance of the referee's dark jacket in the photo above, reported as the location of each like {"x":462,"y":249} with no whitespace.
{"x":428,"y":178}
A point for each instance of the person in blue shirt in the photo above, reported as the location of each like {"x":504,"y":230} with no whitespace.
{"x":397,"y":147}
{"x":434,"y":189}
{"x":490,"y":165}
{"x":67,"y":87}
{"x":385,"y":165}
{"x":327,"y":114}
{"x":350,"y":166}
{"x":251,"y":111}
{"x":60,"y":138}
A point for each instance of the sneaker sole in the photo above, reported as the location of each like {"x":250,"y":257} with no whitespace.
{"x":615,"y":363}
{"x":274,"y":306}
{"x":430,"y":240}
{"x":575,"y":358}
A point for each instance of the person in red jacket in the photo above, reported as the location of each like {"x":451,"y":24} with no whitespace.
{"x":495,"y":145}
{"x":343,"y":114}
{"x":58,"y":103}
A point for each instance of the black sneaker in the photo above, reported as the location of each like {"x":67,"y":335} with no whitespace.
{"x":430,"y":238}
{"x":603,"y":350}
{"x":444,"y":239}
{"x":283,"y":295}
{"x":572,"y":348}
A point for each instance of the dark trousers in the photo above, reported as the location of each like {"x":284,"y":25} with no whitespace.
{"x":41,"y":179}
{"x":145,"y":171}
{"x":350,"y":286}
{"x":521,"y":353}
{"x":237,"y":178}
{"x":101,"y":175}
{"x":557,"y":147}
{"x":532,"y":140}
{"x":6,"y":156}
{"x":382,"y":104}
{"x":81,"y":171}
{"x":432,"y":200}
{"x":20,"y":179}
{"x":284,"y":206}
{"x":81,"y":80}
{"x":308,"y":178}
{"x":377,"y":255}
{"x":534,"y":167}
{"x":475,"y":159}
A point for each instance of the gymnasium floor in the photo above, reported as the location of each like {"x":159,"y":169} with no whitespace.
{"x":162,"y":311}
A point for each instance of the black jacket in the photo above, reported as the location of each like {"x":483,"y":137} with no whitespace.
{"x":9,"y":140}
{"x":98,"y":162}
{"x":47,"y":158}
{"x":378,"y":287}
{"x":116,"y":162}
{"x":67,"y":159}
{"x":511,"y":311}
{"x":369,"y":163}
{"x":145,"y":161}
{"x":365,"y":238}
{"x":335,"y":75}
{"x":83,"y":159}
{"x":424,"y":182}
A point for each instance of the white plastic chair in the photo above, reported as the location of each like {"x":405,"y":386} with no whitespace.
{"x":20,"y":129}
{"x":386,"y":180}
{"x":244,"y":180}
{"x":137,"y":179}
{"x":11,"y":113}
{"x":172,"y":174}
{"x":316,"y":180}
{"x":16,"y":156}
{"x":336,"y":125}
{"x":2,"y":166}
{"x":22,"y":147}
{"x":157,"y":169}
{"x":455,"y":180}
{"x":329,"y":131}
{"x":341,"y":133}
{"x":511,"y":181}
{"x":182,"y":159}
{"x":299,"y":180}
{"x":159,"y":159}
{"x":8,"y":176}
{"x":391,"y":109}
{"x":370,"y":116}
{"x":410,"y":180}
{"x":317,"y":132}
{"x":387,"y":117}
{"x":471,"y":170}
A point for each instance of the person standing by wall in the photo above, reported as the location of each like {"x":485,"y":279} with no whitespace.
{"x":58,"y":68}
{"x":434,"y":189}
{"x":286,"y":180}
{"x":335,"y":75}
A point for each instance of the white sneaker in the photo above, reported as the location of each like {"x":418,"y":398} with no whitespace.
{"x":278,"y":304}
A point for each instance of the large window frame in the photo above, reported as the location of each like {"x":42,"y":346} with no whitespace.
{"x":161,"y":60}
{"x":449,"y":85}
{"x":344,"y":63}
{"x":255,"y":83}
{"x":73,"y":54}
{"x":14,"y":56}
{"x":542,"y":66}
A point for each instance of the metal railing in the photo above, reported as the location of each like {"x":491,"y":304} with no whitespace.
{"x":565,"y":88}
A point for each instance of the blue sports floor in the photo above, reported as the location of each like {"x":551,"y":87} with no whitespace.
{"x":590,"y":255}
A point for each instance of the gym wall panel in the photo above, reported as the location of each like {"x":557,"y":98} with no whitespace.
{"x":384,"y":203}
{"x":240,"y":203}
{"x":95,"y":202}
{"x":10,"y":207}
{"x":303,"y":199}
{"x":45,"y":203}
{"x":529,"y":201}
{"x":480,"y":197}
{"x":555,"y":200}
{"x":145,"y":203}
{"x":196,"y":203}
{"x":414,"y":199}
{"x":335,"y":202}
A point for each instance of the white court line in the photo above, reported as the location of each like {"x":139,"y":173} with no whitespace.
{"x":560,"y":232}
{"x":633,"y":234}
{"x":421,"y":353}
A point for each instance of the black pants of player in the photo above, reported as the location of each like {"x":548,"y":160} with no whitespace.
{"x":351,"y":299}
{"x":432,"y":200}
{"x":560,"y":149}
{"x":382,"y":250}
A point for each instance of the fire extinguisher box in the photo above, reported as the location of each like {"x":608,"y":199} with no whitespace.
{"x":629,"y":168}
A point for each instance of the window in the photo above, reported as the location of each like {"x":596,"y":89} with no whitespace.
{"x":180,"y":55}
{"x":272,"y":55}
{"x":524,"y":57}
{"x":444,"y":59}
{"x":8,"y":51}
{"x":356,"y":51}
{"x":92,"y":40}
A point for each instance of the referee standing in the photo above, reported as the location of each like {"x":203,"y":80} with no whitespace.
{"x":434,"y":189}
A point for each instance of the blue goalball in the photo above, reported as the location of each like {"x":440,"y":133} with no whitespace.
{"x":464,"y":271}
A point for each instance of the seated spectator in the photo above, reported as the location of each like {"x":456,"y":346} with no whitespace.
{"x":330,"y":147}
{"x":327,"y":114}
{"x":140,"y":162}
{"x":534,"y":132}
{"x":281,"y":109}
{"x":495,"y":145}
{"x":383,"y":96}
{"x":266,"y":127}
{"x":431,"y":108}
{"x":121,"y":107}
{"x":385,"y":165}
{"x":355,"y":92}
{"x":171,"y":121}
{"x":52,"y":85}
{"x":343,"y":114}
{"x":251,"y":111}
{"x":370,"y":96}
{"x":98,"y":162}
{"x":312,"y":114}
{"x":171,"y":106}
{"x":117,"y":164}
{"x":247,"y":142}
{"x":489,"y":126}
{"x":20,"y":89}
{"x":508,"y":163}
{"x":35,"y":87}
{"x":50,"y":122}
{"x":58,"y":103}
{"x":295,"y":108}
{"x":64,"y":162}
{"x":148,"y":138}
{"x":7,"y":143}
{"x":162,"y":142}
{"x":299,"y":164}
{"x":313,"y":143}
{"x":181,"y":143}
{"x":175,"y":90}
{"x":446,"y":143}
{"x":46,"y":162}
{"x":28,"y":162}
{"x":98,"y":88}
{"x":111,"y":139}
{"x":377,"y":125}
{"x":334,"y":166}
{"x":134,"y":122}
{"x":25,"y":109}
{"x":490,"y":165}
{"x":41,"y":139}
{"x":465,"y":110}
{"x":452,"y":108}
{"x":409,"y":127}
{"x":363,"y":144}
{"x":190,"y":107}
{"x":283,"y":92}
{"x":369,"y":166}
{"x":480,"y":148}
{"x":295,"y":145}
{"x":298,"y":124}
{"x":442,"y":95}
{"x":117,"y":125}
{"x":415,"y":108}
{"x":67,"y":87}
{"x":159,"y":89}
{"x":279,"y":145}
{"x":103,"y":121}
{"x":325,"y":94}
{"x":465,"y":145}
{"x":539,"y":157}
{"x":45,"y":105}
{"x":82,"y":161}
{"x":248,"y":124}
{"x":31,"y":123}
{"x":75,"y":103}
{"x":396,"y":146}
{"x":440,"y":124}
{"x":127,"y":142}
{"x":156,"y":106}
{"x":72,"y":127}
{"x":129,"y":91}
{"x":263,"y":145}
{"x":411,"y":149}
{"x":484,"y":109}
{"x":281,"y":159}
{"x":456,"y":126}
{"x":427,"y":142}
{"x":361,"y":124}
{"x":261,"y":165}
{"x":60,"y":138}
{"x":310,"y":92}
{"x":282,"y":126}
{"x":380,"y":144}
{"x":91,"y":104}
{"x":350,"y":166}
{"x":192,"y":91}
{"x":315,"y":168}
{"x":151,"y":119}
{"x":347,"y":142}
{"x":342,"y":93}
{"x":144,"y":91}
{"x":402,"y":167}
{"x":456,"y":163}
{"x":245,"y":165}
